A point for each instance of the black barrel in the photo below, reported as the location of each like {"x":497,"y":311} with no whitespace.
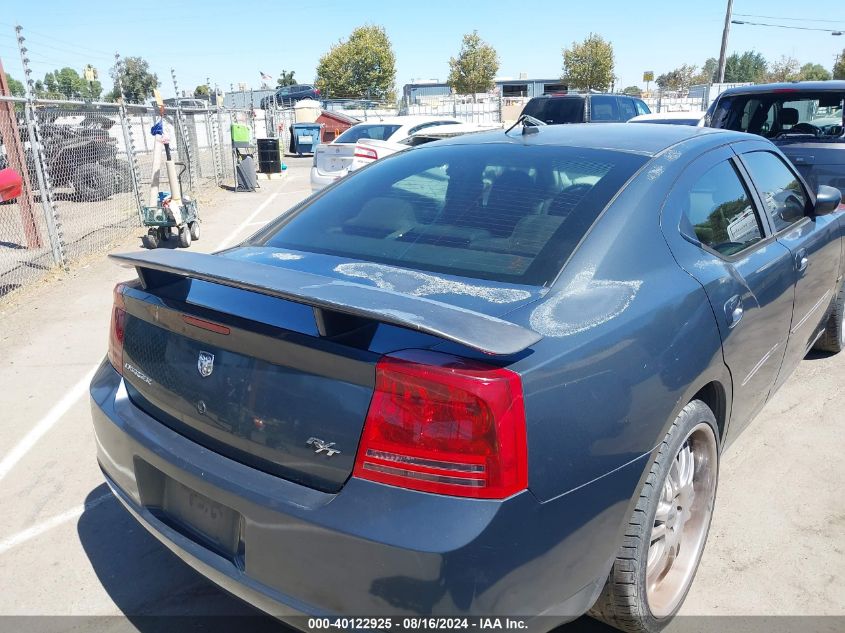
{"x":269,"y":156}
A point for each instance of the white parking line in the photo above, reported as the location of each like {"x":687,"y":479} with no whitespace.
{"x":46,"y":423}
{"x":234,"y":234}
{"x":37,"y":530}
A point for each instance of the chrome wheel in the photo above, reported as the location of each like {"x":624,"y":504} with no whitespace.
{"x":681,"y":521}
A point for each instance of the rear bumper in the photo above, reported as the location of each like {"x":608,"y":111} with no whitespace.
{"x":320,"y":180}
{"x":369,"y":549}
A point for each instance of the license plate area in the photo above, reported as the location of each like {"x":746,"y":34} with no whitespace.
{"x":208,"y":523}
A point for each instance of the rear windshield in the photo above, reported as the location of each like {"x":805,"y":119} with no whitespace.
{"x":503,"y":212}
{"x":556,"y":110}
{"x":357,"y":132}
{"x":782,"y":115}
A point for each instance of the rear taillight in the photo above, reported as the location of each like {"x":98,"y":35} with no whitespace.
{"x":117,"y":329}
{"x":365,"y":152}
{"x":447,"y":425}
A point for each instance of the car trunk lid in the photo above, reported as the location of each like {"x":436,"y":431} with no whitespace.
{"x":271,"y":366}
{"x":334,"y":159}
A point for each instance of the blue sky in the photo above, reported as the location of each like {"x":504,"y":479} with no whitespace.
{"x":230,"y":42}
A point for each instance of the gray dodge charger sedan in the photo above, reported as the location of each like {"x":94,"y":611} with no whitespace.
{"x":487,"y":376}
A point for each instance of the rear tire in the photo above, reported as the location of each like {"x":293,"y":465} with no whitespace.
{"x":94,"y":182}
{"x":833,"y":339}
{"x":665,"y":535}
{"x":184,"y":237}
{"x":150,"y":240}
{"x":123,"y":172}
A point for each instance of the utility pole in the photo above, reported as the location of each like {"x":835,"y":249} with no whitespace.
{"x":724,"y":51}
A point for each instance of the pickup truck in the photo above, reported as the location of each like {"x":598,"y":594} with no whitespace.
{"x":804,"y":119}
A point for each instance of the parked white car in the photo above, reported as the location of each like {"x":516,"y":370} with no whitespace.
{"x":366,"y":142}
{"x":695,"y":118}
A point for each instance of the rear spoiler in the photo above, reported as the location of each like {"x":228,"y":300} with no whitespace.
{"x":479,"y":331}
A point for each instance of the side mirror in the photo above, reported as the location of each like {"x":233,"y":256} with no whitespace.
{"x":10,"y":184}
{"x":827,"y":200}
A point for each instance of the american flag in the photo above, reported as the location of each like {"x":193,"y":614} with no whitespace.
{"x":265,"y":77}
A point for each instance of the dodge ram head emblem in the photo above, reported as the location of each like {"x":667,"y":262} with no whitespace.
{"x":320,"y":446}
{"x":205,"y":364}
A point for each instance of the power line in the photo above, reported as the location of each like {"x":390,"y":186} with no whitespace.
{"x":786,"y":26}
{"x":776,"y":17}
{"x":27,"y":33}
{"x":36,"y":44}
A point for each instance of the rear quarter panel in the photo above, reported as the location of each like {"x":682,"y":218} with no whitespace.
{"x":629,"y":339}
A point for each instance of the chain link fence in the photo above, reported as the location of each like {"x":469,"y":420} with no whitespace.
{"x":87,"y":169}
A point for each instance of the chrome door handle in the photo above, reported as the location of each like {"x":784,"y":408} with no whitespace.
{"x":733,"y":311}
{"x":801,"y":260}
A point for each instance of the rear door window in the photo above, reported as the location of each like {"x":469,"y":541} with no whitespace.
{"x":497,"y":211}
{"x":720,"y":213}
{"x":604,"y":108}
{"x":781,"y":191}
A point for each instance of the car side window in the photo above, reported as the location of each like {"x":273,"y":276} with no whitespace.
{"x":642,"y":108}
{"x":626,"y":107}
{"x":720,"y":213}
{"x":781,"y":191}
{"x":604,"y":108}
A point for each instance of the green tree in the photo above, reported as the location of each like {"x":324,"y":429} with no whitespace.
{"x":839,"y":66}
{"x":201,"y":91}
{"x":474,"y":68}
{"x":677,"y":80}
{"x":784,"y":69}
{"x":138,"y":81}
{"x":813,"y":72}
{"x":51,"y":87}
{"x":588,"y":65}
{"x":363,"y":65}
{"x":92,"y":90}
{"x":707,"y":75}
{"x":68,"y":82}
{"x":749,"y":66}
{"x":634,"y":91}
{"x":16,"y":88}
{"x":286,"y":78}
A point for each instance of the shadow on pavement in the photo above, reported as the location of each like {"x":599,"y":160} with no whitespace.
{"x":159,"y":593}
{"x":815,"y":354}
{"x":156,"y":591}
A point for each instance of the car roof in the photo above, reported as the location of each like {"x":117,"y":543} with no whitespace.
{"x":788,"y":86}
{"x":667,"y":116}
{"x":410,"y":119}
{"x":649,"y":140}
{"x":582,"y":95}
